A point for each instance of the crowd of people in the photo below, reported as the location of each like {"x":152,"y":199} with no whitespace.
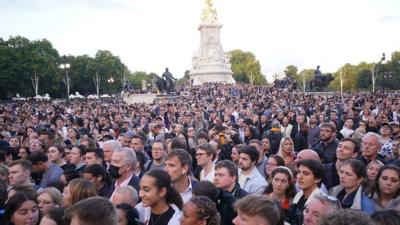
{"x":221,"y":154}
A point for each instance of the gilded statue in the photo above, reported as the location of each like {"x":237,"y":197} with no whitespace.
{"x":209,"y":12}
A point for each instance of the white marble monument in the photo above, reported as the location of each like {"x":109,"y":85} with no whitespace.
{"x":210,"y":63}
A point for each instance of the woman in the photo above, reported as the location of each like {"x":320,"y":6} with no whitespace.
{"x":48,"y":199}
{"x":55,"y":155}
{"x":273,"y":162}
{"x":387,"y":189}
{"x":77,"y":157}
{"x":77,"y":190}
{"x":127,"y":215}
{"x":161,"y":203}
{"x":73,"y":136}
{"x":21,"y":209}
{"x":372,"y":170}
{"x":23,"y":152}
{"x":286,"y":151}
{"x":235,"y":153}
{"x":281,"y":188}
{"x":200,"y":210}
{"x":349,"y":192}
{"x":249,"y":134}
{"x":98,"y":175}
{"x":53,"y":217}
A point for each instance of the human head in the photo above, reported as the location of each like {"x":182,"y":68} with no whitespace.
{"x":156,"y":186}
{"x":158,"y":150}
{"x":39,"y":161}
{"x":54,"y":216}
{"x":137,"y":143}
{"x":77,"y":154}
{"x":125,"y":195}
{"x":286,"y":146}
{"x":23,"y":152}
{"x":123,"y":161}
{"x":351,"y":173}
{"x":205,"y":154}
{"x":21,"y":208}
{"x":48,"y":199}
{"x":327,"y":132}
{"x":55,"y":153}
{"x":92,"y":211}
{"x":371,"y":144}
{"x":249,"y":156}
{"x":127,"y":215}
{"x":319,"y":206}
{"x":307,"y":154}
{"x":386,"y":217}
{"x":258,"y":210}
{"x":259,"y":146}
{"x":200,"y":210}
{"x":235,"y":153}
{"x":94,"y":156}
{"x":108,"y":148}
{"x":346,"y":217}
{"x":19,"y":172}
{"x":282,"y":182}
{"x":387,"y":181}
{"x":77,"y":190}
{"x":206,"y":188}
{"x":98,"y":175}
{"x":177,"y":164}
{"x":226,"y":173}
{"x":273,"y":162}
{"x":309,"y":174}
{"x":348,"y":148}
{"x":373,"y":168}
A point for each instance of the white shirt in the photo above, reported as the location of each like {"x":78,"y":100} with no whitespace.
{"x":187,"y":194}
{"x":209,"y":176}
{"x":123,"y":184}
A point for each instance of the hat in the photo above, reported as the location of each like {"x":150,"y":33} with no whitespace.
{"x":395,"y":123}
{"x":388,"y":125}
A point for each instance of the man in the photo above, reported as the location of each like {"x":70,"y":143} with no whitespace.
{"x":108,"y":149}
{"x":226,"y":174}
{"x":205,"y":156}
{"x":313,"y":132}
{"x":260,"y":210}
{"x":99,"y":177}
{"x":177,"y":165}
{"x":123,"y":162}
{"x":348,"y":148}
{"x":307,"y":154}
{"x":371,"y":145}
{"x":309,"y":177}
{"x":386,"y":150}
{"x":41,"y":165}
{"x":128,"y":138}
{"x":318,"y":206}
{"x":158,"y":152}
{"x":137,"y":144}
{"x":94,"y":156}
{"x":92,"y":211}
{"x":326,"y":148}
{"x":262,"y":160}
{"x":300,"y":139}
{"x":296,"y":126}
{"x":249,"y":178}
{"x":121,"y":140}
{"x":20,"y":173}
{"x":126,"y":195}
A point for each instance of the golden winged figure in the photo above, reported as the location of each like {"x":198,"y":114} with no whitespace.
{"x":209,"y":11}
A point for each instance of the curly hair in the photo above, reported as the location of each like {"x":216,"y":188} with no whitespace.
{"x":206,"y":210}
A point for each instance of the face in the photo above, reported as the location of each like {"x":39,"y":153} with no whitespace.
{"x":175,"y":169}
{"x":90,"y":159}
{"x":326,"y":133}
{"x":223,"y":179}
{"x":389,"y":182}
{"x":243,"y":219}
{"x":108,"y":151}
{"x":27,"y":214}
{"x":71,"y":133}
{"x":266,"y":144}
{"x":14,"y":142}
{"x":95,"y":180}
{"x":54,"y":154}
{"x":136,"y":144}
{"x":189,"y":214}
{"x":22,"y":153}
{"x":47,"y":221}
{"x":45,"y":203}
{"x":370,"y":146}
{"x":306,"y":179}
{"x":157,"y":151}
{"x":348,"y":178}
{"x":372,"y":171}
{"x":75,"y":157}
{"x":245,"y":162}
{"x":117,"y":159}
{"x":149,"y":193}
{"x":17,"y":175}
{"x":203,"y":158}
{"x":121,"y":217}
{"x":270,"y":166}
{"x":280,"y":182}
{"x":66,"y":196}
{"x":345,"y":150}
{"x":235,"y":155}
{"x":314,"y":210}
{"x":287,"y":147}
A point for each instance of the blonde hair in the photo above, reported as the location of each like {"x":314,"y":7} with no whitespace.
{"x":281,"y":145}
{"x":54,"y":193}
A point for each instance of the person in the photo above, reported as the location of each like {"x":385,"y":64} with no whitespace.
{"x":23,"y":152}
{"x":126,"y":195}
{"x":346,"y":217}
{"x":77,"y":190}
{"x":55,"y":155}
{"x":20,"y":173}
{"x":371,"y":145}
{"x":226,"y":174}
{"x":386,"y":150}
{"x":94,"y":156}
{"x":161,"y":203}
{"x":281,"y":189}
{"x":274,"y":136}
{"x":250,"y":179}
{"x":387,"y":189}
{"x":41,"y":165}
{"x":205,"y":156}
{"x":158,"y":153}
{"x":347,"y":129}
{"x":92,"y":211}
{"x":386,"y":217}
{"x":327,"y":146}
{"x":77,"y":157}
{"x":286,"y":151}
{"x":263,"y":158}
{"x":348,"y":148}
{"x":349,"y":191}
{"x":53,"y":217}
{"x":300,"y":139}
{"x":48,"y":199}
{"x":177,"y":165}
{"x":372,"y":170}
{"x":309,"y":178}
{"x":235,"y":153}
{"x":123,"y":162}
{"x":108,"y":149}
{"x":127,"y":215}
{"x":313,"y":136}
{"x":200,"y":210}
{"x":98,"y":175}
{"x":320,"y":205}
{"x":273,"y":162}
{"x":21,"y":209}
{"x":258,"y":210}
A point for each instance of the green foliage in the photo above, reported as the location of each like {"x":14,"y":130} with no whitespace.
{"x":246,"y":68}
{"x":291,"y":71}
{"x":351,"y":75}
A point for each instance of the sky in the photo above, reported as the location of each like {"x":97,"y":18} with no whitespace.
{"x":149,"y":35}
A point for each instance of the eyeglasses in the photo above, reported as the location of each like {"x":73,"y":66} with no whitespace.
{"x":330,"y":199}
{"x":201,"y":154}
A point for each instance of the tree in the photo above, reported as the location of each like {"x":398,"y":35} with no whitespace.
{"x":246,"y":68}
{"x":291,"y":72}
{"x":351,"y":74}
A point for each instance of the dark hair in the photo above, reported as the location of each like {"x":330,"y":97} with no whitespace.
{"x":206,"y":210}
{"x":3,"y":192}
{"x":357,"y":166}
{"x":15,"y":202}
{"x":209,"y":149}
{"x":163,"y":180}
{"x":259,"y":205}
{"x":316,"y":167}
{"x":37,"y":157}
{"x":97,"y":170}
{"x":82,"y":149}
{"x":178,"y":143}
{"x":279,"y":160}
{"x":25,"y":164}
{"x":229,"y":166}
{"x":60,"y":148}
{"x":251,"y":151}
{"x":356,"y":143}
{"x":328,"y":125}
{"x":206,"y":188}
{"x":377,"y":189}
{"x":346,"y":217}
{"x":386,"y":217}
{"x":183,"y":156}
{"x":131,"y":214}
{"x":98,"y":152}
{"x":136,"y":136}
{"x":203,"y":135}
{"x":141,"y":159}
{"x":71,"y":174}
{"x":290,"y":192}
{"x":57,"y":214}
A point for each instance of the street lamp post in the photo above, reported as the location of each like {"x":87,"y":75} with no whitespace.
{"x":375,"y":72}
{"x":67,"y":81}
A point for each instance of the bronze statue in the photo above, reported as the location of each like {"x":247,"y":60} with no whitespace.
{"x":166,"y":82}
